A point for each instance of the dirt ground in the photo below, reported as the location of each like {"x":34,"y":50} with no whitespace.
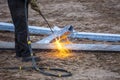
{"x":101,"y":16}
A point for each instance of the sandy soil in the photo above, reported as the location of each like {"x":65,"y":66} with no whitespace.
{"x":85,"y":15}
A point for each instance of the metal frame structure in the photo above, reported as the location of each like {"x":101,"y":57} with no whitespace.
{"x":45,"y":42}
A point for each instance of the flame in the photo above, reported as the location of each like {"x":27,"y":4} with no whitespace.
{"x":63,"y":52}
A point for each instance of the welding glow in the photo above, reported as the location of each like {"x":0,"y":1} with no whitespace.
{"x":63,"y":52}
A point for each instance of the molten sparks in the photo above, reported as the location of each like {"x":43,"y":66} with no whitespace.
{"x":63,"y":52}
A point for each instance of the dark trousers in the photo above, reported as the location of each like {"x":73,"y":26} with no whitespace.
{"x":19,"y":13}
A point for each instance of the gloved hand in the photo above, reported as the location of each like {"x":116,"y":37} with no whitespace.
{"x":34,"y":5}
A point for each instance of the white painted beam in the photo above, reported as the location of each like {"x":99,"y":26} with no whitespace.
{"x":74,"y":47}
{"x":75,"y":34}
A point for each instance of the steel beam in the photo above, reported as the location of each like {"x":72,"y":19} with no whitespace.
{"x":63,"y":32}
{"x":32,"y":29}
{"x":81,"y":35}
{"x":74,"y":47}
{"x":96,"y":36}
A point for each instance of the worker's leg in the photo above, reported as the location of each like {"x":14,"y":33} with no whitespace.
{"x":17,"y":9}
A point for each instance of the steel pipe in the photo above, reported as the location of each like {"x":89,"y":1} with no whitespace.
{"x":81,"y":35}
{"x":74,"y":47}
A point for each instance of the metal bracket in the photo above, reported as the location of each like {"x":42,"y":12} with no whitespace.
{"x":65,"y":31}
